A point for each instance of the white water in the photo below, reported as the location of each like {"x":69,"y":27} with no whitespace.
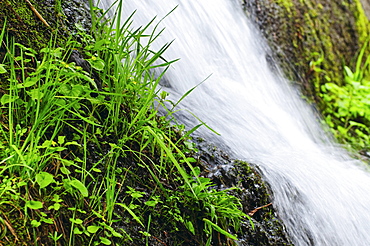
{"x":320,"y":193}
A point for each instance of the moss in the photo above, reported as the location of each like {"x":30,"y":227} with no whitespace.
{"x":288,"y":5}
{"x":362,"y":22}
{"x":312,"y":39}
{"x":23,"y":24}
{"x":29,"y":30}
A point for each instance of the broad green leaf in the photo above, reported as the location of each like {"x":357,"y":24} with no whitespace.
{"x":64,"y":170}
{"x":77,"y":90}
{"x":45,"y":144}
{"x":45,"y":50}
{"x":96,"y":170}
{"x":191,"y":159}
{"x":190,"y":227}
{"x":2,"y":68}
{"x":97,"y":214}
{"x":97,"y":63}
{"x":81,"y":211}
{"x":115,"y":234}
{"x":56,"y":206}
{"x":22,"y":183}
{"x":65,"y":89}
{"x":61,"y":139}
{"x":72,"y":143}
{"x":68,"y":162}
{"x":79,"y":186}
{"x":77,"y":231}
{"x":36,"y":94}
{"x":76,"y":221}
{"x":60,"y":102}
{"x":101,"y":43}
{"x":35,"y":223}
{"x":34,"y":204}
{"x":136,"y":195}
{"x":105,"y":241}
{"x":56,"y":198}
{"x":93,"y":229}
{"x":151,"y":203}
{"x":31,"y":54}
{"x":47,"y":220}
{"x":44,"y":179}
{"x":8,"y":99}
{"x":30,"y":81}
{"x":57,"y":148}
{"x":57,"y":52}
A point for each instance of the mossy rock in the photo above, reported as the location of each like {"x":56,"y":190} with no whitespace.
{"x":253,"y":192}
{"x":312,"y":40}
{"x":32,"y":23}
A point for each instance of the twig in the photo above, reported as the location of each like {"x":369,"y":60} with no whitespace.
{"x":11,"y":229}
{"x":160,"y":241}
{"x":37,"y":13}
{"x":251,"y":213}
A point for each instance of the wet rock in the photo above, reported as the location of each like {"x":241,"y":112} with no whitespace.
{"x":255,"y":196}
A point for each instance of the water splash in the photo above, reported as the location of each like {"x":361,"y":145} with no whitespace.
{"x":320,"y":193}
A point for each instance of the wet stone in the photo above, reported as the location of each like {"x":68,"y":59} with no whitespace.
{"x":253,"y":193}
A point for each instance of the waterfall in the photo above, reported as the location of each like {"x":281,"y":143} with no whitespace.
{"x":320,"y":193}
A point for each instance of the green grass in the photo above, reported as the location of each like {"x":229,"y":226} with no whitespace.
{"x":83,"y":165}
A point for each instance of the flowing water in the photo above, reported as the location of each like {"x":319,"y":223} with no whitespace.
{"x":321,"y":195}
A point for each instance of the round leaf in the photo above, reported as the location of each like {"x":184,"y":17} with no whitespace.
{"x":44,"y":179}
{"x":93,"y":229}
{"x":34,"y":204}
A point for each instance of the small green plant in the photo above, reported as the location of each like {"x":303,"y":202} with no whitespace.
{"x":347,"y":109}
{"x":55,"y":237}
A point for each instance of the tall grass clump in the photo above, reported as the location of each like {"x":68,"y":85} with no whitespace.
{"x":85,"y":158}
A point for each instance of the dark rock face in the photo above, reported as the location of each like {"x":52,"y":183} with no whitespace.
{"x":78,"y":59}
{"x":255,"y":196}
{"x":77,"y":12}
{"x":71,"y":13}
{"x":312,"y":40}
